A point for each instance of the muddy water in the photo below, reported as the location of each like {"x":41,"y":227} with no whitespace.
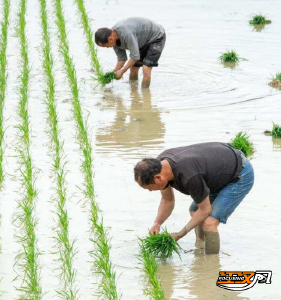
{"x":192,"y":98}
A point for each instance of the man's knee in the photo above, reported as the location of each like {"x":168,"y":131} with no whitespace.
{"x":210,"y":224}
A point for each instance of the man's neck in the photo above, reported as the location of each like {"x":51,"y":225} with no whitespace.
{"x":167,"y":170}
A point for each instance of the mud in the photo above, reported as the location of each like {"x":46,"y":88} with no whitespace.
{"x":275,"y":84}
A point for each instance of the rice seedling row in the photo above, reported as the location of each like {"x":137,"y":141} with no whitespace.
{"x":162,"y":246}
{"x":3,"y":78}
{"x":65,"y":246}
{"x":27,"y":259}
{"x":102,"y":264}
{"x":150,"y":267}
{"x":102,"y":78}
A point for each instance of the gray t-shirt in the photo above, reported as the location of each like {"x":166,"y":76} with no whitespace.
{"x":204,"y":168}
{"x":134,"y":33}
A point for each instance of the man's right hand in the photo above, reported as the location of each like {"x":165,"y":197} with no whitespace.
{"x":154,"y":230}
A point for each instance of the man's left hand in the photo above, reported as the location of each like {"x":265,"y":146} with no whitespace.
{"x":119,"y":74}
{"x":176,"y":235}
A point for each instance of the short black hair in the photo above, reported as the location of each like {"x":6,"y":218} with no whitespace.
{"x":102,"y":35}
{"x":147,"y":169}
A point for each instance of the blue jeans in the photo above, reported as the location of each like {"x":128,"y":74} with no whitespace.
{"x":227,"y":199}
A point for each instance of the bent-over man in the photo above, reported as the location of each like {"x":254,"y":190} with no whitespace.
{"x":142,"y":37}
{"x":215,"y":175}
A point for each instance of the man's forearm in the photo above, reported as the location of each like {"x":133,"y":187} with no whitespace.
{"x":164,"y":211}
{"x":198,"y":217}
{"x":128,"y":65}
{"x":119,"y":65}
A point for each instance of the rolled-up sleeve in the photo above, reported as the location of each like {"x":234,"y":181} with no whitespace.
{"x":133,"y":46}
{"x":121,"y":53}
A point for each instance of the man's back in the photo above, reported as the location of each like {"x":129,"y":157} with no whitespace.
{"x":203,"y":168}
{"x":136,"y":32}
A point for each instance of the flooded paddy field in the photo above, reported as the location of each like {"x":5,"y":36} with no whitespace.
{"x":193,"y":98}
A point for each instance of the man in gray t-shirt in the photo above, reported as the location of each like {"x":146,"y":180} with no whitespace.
{"x":215,"y":175}
{"x":142,"y":37}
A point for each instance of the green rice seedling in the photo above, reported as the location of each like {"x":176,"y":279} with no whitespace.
{"x":64,"y":245}
{"x":3,"y":77}
{"x":243,"y":143}
{"x":161,"y":245}
{"x":107,"y":284}
{"x":27,"y":259}
{"x":108,"y":77}
{"x":259,"y":20}
{"x":102,"y":78}
{"x":278,"y":77}
{"x":229,"y":57}
{"x":275,"y":132}
{"x":150,"y":268}
{"x":89,"y":35}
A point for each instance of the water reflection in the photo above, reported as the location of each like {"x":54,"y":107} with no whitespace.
{"x":276,"y":144}
{"x":231,"y":65}
{"x":258,"y":28}
{"x":138,"y":125}
{"x":199,"y":281}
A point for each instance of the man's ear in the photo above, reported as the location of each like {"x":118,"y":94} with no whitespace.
{"x":158,"y":177}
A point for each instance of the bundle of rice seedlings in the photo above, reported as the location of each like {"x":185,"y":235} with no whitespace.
{"x":275,"y":132}
{"x":241,"y":142}
{"x":161,"y":245}
{"x":229,"y":56}
{"x":276,"y":82}
{"x":259,"y":20}
{"x":107,"y":78}
{"x":150,"y":268}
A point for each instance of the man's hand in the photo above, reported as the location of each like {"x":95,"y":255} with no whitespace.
{"x":154,"y":230}
{"x":176,"y":235}
{"x":119,"y":74}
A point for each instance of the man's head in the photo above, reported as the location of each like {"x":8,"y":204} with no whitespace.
{"x":105,"y":37}
{"x":149,"y":174}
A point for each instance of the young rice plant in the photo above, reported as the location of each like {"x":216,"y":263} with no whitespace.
{"x":259,"y":20}
{"x":243,"y":143}
{"x":275,"y":132}
{"x":107,"y":78}
{"x":229,"y":57}
{"x":161,"y":245}
{"x":27,"y":259}
{"x":64,"y":244}
{"x":150,"y":268}
{"x":3,"y":77}
{"x":102,"y":78}
{"x":107,"y":286}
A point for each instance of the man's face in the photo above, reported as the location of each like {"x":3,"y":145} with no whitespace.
{"x":159,"y":184}
{"x":111,"y":43}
